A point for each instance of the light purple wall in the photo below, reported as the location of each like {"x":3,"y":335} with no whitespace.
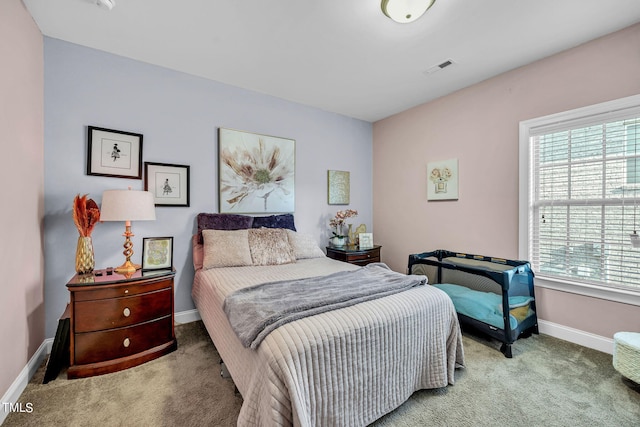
{"x":479,"y":126}
{"x":21,"y":174}
{"x":178,"y":115}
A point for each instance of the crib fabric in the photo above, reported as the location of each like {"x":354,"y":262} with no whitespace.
{"x":483,"y":289}
{"x":486,"y":306}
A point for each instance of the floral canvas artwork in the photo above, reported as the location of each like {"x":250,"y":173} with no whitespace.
{"x":256,"y":173}
{"x":442,"y":180}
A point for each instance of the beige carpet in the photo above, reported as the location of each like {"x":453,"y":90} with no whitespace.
{"x":548,"y":382}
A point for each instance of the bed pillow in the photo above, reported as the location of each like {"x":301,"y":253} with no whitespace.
{"x":216,"y":221}
{"x":270,"y":246}
{"x":303,"y":245}
{"x":226,"y":248}
{"x":275,"y":221}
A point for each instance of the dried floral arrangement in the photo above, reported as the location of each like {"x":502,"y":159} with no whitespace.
{"x":86,"y":214}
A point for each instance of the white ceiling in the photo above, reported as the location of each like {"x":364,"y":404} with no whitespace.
{"x":343,"y":56}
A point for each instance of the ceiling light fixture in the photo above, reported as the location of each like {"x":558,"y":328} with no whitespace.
{"x":109,"y":4}
{"x":405,"y":11}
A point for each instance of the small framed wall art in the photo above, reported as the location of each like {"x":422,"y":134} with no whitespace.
{"x":443,"y":180}
{"x":338,"y":187}
{"x":157,"y":253}
{"x":256,"y":172}
{"x":114,"y":153}
{"x":168,"y":183}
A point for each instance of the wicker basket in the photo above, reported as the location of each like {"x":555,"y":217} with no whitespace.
{"x":626,"y":354}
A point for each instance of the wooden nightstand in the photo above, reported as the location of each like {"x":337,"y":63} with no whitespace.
{"x":354,"y":255}
{"x":118,"y":322}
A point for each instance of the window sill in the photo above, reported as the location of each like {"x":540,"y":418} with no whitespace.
{"x":609,"y":294}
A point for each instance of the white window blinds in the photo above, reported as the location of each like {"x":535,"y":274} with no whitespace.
{"x":584,"y":199}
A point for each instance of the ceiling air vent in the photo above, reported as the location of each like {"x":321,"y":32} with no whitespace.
{"x":439,"y":67}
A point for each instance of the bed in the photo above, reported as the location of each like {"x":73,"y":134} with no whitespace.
{"x":347,"y":366}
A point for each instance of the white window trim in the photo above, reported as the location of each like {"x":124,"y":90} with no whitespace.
{"x":564,"y":285}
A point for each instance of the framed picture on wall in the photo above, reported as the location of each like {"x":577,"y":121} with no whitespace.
{"x":114,"y":153}
{"x":443,"y":180}
{"x":169,"y":183}
{"x":338,"y":187}
{"x":157,"y":253}
{"x":256,"y":173}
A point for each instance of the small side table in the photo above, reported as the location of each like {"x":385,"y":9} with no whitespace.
{"x":354,"y":255}
{"x":119,"y":321}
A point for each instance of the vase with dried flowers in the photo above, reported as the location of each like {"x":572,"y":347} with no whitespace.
{"x":86,"y":215}
{"x":338,"y":222}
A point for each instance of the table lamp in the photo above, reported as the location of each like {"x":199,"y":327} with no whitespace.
{"x":127,"y":205}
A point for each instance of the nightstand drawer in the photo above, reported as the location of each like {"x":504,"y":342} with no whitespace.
{"x":122,"y":290}
{"x":370,"y":256}
{"x":98,"y":315}
{"x":363,"y":262}
{"x":355,"y":255}
{"x":92,"y":347}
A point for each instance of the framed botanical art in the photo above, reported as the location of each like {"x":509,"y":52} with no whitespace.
{"x":443,"y":180}
{"x":169,"y":183}
{"x":157,"y":253}
{"x":338,"y":187}
{"x":256,"y":173}
{"x":114,"y":153}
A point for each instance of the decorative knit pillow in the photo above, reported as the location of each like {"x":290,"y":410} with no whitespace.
{"x":226,"y":248}
{"x":275,"y":221}
{"x":270,"y":246}
{"x":216,"y":221}
{"x":304,"y":246}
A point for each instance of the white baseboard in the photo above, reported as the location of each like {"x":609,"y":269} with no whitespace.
{"x":576,"y":336}
{"x":186,"y":316}
{"x":13,"y":394}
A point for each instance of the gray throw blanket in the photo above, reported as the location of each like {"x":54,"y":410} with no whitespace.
{"x":255,"y":311}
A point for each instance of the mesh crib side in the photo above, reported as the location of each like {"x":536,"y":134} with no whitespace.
{"x":502,"y":277}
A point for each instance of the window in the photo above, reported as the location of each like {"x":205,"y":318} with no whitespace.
{"x":582,"y":201}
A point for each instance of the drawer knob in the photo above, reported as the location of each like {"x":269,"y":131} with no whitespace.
{"x":126,"y":291}
{"x":126,"y":312}
{"x":126,"y":342}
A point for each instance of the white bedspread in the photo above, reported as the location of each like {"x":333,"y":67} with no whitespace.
{"x":346,"y":367}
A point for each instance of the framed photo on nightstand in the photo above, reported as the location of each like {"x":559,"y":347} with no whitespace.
{"x":366,"y":240}
{"x":157,"y":253}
